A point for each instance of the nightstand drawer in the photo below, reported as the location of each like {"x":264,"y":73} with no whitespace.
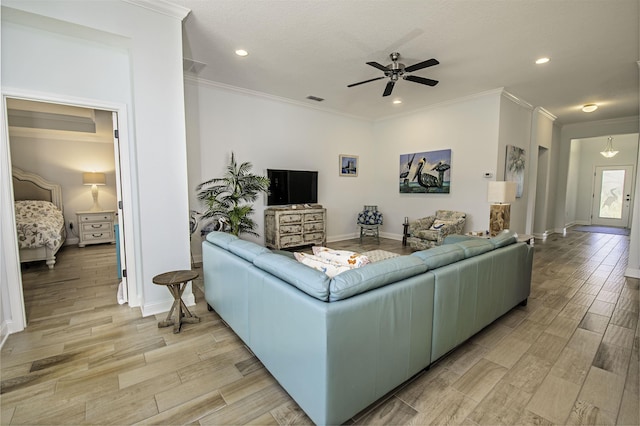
{"x":95,"y":217}
{"x":104,"y":236}
{"x":96,"y":226}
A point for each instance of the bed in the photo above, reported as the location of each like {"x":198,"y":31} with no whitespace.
{"x":39,"y":217}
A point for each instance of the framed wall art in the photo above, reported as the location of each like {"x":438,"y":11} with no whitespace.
{"x":426,"y":172}
{"x":514,"y":167}
{"x":348,"y":165}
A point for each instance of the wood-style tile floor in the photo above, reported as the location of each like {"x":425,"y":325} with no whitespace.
{"x":569,"y":357}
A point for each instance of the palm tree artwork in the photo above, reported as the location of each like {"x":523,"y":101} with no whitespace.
{"x":514,"y":167}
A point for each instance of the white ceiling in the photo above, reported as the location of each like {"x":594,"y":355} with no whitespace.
{"x":299,"y":48}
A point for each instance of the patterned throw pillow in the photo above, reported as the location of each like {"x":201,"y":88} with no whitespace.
{"x":437,"y":224}
{"x":342,"y":257}
{"x":322,"y":265}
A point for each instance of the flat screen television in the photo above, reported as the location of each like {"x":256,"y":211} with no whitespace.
{"x":292,"y":187}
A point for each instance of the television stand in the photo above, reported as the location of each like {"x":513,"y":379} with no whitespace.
{"x":295,"y":226}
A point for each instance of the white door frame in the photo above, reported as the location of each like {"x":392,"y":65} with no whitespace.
{"x":7,"y":218}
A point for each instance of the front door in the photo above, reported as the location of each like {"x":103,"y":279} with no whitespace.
{"x":612,"y":196}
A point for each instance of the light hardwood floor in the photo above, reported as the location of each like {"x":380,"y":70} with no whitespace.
{"x":569,"y":357}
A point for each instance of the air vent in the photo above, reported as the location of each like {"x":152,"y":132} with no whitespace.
{"x":192,"y":66}
{"x":315,"y":98}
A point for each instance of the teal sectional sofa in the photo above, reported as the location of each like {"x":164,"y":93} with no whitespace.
{"x":337,"y":345}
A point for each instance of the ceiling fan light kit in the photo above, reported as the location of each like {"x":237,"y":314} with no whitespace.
{"x":395,"y":70}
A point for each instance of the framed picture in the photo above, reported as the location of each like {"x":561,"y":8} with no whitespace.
{"x":348,"y":165}
{"x":426,"y":172}
{"x":514,"y":167}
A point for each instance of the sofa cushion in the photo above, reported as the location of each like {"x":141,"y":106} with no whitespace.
{"x":440,"y":255}
{"x":246,"y":249}
{"x":504,"y":238}
{"x":312,"y":282}
{"x":475,"y":246}
{"x":427,"y":234}
{"x":374,"y":275}
{"x":221,"y":239}
{"x":323,"y":265}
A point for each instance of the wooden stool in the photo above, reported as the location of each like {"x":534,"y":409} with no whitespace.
{"x":176,"y":282}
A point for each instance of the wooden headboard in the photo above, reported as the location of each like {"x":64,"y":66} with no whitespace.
{"x":30,"y":186}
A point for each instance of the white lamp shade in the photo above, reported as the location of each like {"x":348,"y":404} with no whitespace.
{"x":94,"y":179}
{"x":502,"y":192}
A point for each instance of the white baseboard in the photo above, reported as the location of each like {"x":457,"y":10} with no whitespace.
{"x":4,"y":333}
{"x":632,"y":273}
{"x":164,"y":306}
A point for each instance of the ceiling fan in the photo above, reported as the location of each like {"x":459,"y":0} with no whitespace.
{"x":396,"y":69}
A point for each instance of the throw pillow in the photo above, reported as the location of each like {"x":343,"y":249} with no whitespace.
{"x":322,"y":265}
{"x":437,"y":224}
{"x":342,"y":257}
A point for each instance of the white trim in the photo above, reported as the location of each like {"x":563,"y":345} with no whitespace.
{"x":10,"y":244}
{"x":163,"y":7}
{"x":163,"y":307}
{"x":214,"y":84}
{"x":632,"y":273}
{"x":513,"y":98}
{"x":546,"y":113}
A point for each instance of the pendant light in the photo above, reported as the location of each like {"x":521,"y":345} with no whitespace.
{"x":608,"y":150}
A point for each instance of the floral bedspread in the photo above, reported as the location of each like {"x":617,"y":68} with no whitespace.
{"x":39,"y":224}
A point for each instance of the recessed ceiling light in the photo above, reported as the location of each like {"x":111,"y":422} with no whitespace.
{"x":589,"y":107}
{"x":397,"y":101}
{"x":541,"y":61}
{"x":241,"y":52}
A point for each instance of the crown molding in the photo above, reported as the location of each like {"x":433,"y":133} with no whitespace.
{"x":513,"y":98}
{"x":546,"y":113}
{"x":214,"y":84}
{"x":163,"y":7}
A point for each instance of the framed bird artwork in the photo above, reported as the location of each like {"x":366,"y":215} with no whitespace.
{"x":426,"y":172}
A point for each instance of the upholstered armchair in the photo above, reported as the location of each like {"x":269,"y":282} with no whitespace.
{"x":431,"y":231}
{"x":369,"y":221}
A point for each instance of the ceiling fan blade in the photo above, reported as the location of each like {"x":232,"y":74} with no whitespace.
{"x":424,"y":64}
{"x":389,"y":88}
{"x":420,"y":80}
{"x":366,"y":81}
{"x":379,"y":66}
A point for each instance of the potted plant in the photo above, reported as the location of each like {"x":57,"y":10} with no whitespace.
{"x":229,"y":198}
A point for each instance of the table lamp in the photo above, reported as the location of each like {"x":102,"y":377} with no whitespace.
{"x":500,"y":194}
{"x":94,"y":179}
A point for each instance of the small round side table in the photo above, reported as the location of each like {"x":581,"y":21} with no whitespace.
{"x":176,"y":282}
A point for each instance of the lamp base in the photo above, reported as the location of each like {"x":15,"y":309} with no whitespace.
{"x":499,"y":218}
{"x":94,"y":193}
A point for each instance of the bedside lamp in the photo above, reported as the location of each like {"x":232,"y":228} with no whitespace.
{"x":500,"y":194}
{"x":94,"y":179}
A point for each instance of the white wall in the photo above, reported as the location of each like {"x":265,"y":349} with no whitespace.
{"x":515,"y":129}
{"x":61,"y":49}
{"x":469,"y":127}
{"x":568,"y":166}
{"x":63,"y":162}
{"x":273,"y":133}
{"x":590,"y":158}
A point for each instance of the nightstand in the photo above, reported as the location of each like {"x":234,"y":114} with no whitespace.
{"x":96,"y":227}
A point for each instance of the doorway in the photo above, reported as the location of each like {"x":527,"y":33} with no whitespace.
{"x":612,"y":196}
{"x":117,"y":117}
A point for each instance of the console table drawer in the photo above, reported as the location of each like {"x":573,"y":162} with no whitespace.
{"x":291,"y":229}
{"x":314,"y":227}
{"x":317,"y":237}
{"x":290,"y":218}
{"x":314,"y":217}
{"x":290,"y":240}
